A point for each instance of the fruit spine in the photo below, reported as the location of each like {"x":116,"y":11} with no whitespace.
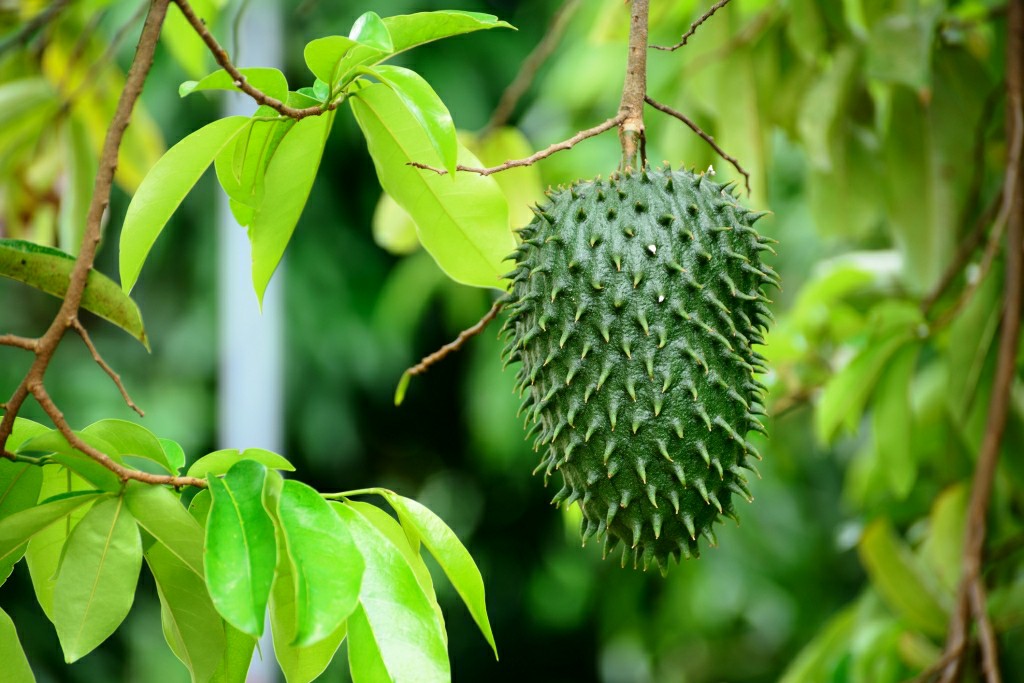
{"x":634,"y":307}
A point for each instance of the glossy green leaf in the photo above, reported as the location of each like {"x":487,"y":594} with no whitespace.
{"x":158,"y":511}
{"x":221,"y":461}
{"x":265,"y":79}
{"x":96,"y":582}
{"x":323,"y":56}
{"x":16,"y":667}
{"x":199,"y":507}
{"x":46,"y":547}
{"x":326,"y":566}
{"x":174,"y":453}
{"x":49,"y":270}
{"x":164,"y":188}
{"x":130,"y":439}
{"x":365,"y":662}
{"x":901,"y":579}
{"x":451,"y":555}
{"x":19,"y":527}
{"x":391,"y":596}
{"x":20,"y":483}
{"x":191,"y":625}
{"x":893,"y":423}
{"x":289,"y":180}
{"x":425,"y":106}
{"x":371,"y":31}
{"x":242,"y":166}
{"x":237,"y":657}
{"x":463,"y":222}
{"x":411,"y":30}
{"x":62,"y":452}
{"x":240,"y":548}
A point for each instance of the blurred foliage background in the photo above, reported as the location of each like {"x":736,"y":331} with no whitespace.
{"x":873,"y":129}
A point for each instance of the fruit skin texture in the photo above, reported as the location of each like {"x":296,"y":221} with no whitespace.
{"x":634,"y":307}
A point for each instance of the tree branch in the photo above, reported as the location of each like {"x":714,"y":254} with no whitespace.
{"x":533,"y":158}
{"x":80,"y":329}
{"x":634,"y":88}
{"x":451,"y":347}
{"x":693,"y":27}
{"x":18,"y":342}
{"x":221,"y":56}
{"x":707,"y":138}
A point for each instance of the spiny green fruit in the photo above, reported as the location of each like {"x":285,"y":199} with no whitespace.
{"x":634,"y":306}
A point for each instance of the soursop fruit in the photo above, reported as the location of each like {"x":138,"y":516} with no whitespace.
{"x":634,"y":308}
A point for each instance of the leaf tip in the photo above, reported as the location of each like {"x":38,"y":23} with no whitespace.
{"x":403,"y":385}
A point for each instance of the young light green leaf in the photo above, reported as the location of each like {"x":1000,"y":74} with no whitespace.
{"x":371,"y":31}
{"x":128,"y":438}
{"x":893,"y":422}
{"x":159,"y":512}
{"x":242,"y":166}
{"x":164,"y":188}
{"x":392,"y":597}
{"x":191,"y":624}
{"x":16,"y":667}
{"x":221,"y":461}
{"x":393,"y":229}
{"x":323,"y":56}
{"x":522,"y":186}
{"x":289,"y":180}
{"x":199,"y":507}
{"x":62,"y":452}
{"x":326,"y":566}
{"x":240,"y":548}
{"x":463,"y":222}
{"x":412,"y":30}
{"x":237,"y":657}
{"x":49,"y":270}
{"x":265,"y":79}
{"x":174,"y":453}
{"x":365,"y":663}
{"x":453,"y":557}
{"x":426,"y":107}
{"x":18,"y":528}
{"x":96,"y":582}
{"x":182,"y":41}
{"x":20,"y":484}
{"x":901,"y":579}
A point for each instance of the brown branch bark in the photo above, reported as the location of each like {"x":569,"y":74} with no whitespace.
{"x":87,"y":340}
{"x":971,"y":595}
{"x":18,"y":342}
{"x":693,"y":27}
{"x":451,"y":347}
{"x":634,"y":88}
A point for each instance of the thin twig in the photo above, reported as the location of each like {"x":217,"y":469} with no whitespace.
{"x":707,"y":138}
{"x":18,"y":342}
{"x":33,"y":25}
{"x":533,"y":158}
{"x":451,"y":347}
{"x":221,"y":56}
{"x":693,"y":27}
{"x":528,"y":71}
{"x":84,"y":334}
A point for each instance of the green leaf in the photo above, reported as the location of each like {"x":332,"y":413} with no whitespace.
{"x":265,"y":79}
{"x":20,"y":484}
{"x":22,"y":526}
{"x":237,"y":657}
{"x":184,"y":44}
{"x":242,"y":166}
{"x":393,"y":229}
{"x":96,"y":582}
{"x":365,"y":662}
{"x":16,"y":667}
{"x":463,"y":222}
{"x":326,"y":566}
{"x":164,"y":188}
{"x":81,"y":176}
{"x":401,"y":620}
{"x":240,"y":548}
{"x":451,"y":555}
{"x":49,"y":270}
{"x":819,"y":658}
{"x":130,"y":439}
{"x":899,"y":49}
{"x":289,"y":180}
{"x":893,"y":423}
{"x":943,"y":547}
{"x":47,"y":546}
{"x":323,"y":56}
{"x":158,"y":511}
{"x":371,"y":31}
{"x":221,"y":461}
{"x":426,"y":107}
{"x":522,"y":186}
{"x":901,"y":579}
{"x":191,"y":624}
{"x":174,"y":453}
{"x":403,"y":386}
{"x":412,"y":30}
{"x":53,"y":442}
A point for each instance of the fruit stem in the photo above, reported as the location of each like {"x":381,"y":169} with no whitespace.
{"x":634,"y":89}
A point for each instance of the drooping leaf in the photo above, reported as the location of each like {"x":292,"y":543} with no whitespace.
{"x":15,"y":663}
{"x":20,"y":482}
{"x":191,"y":625}
{"x":237,"y":656}
{"x":164,"y":188}
{"x":159,"y":512}
{"x":323,"y":56}
{"x":219,"y":462}
{"x":899,"y":49}
{"x":393,"y":228}
{"x":327,"y":568}
{"x":289,"y":180}
{"x":184,"y":44}
{"x":19,"y":527}
{"x":130,"y":439}
{"x":818,"y":659}
{"x":96,"y":582}
{"x":265,"y":79}
{"x":365,"y":661}
{"x":463,"y":222}
{"x":451,"y":555}
{"x":74,"y":204}
{"x":391,"y":596}
{"x":49,"y":270}
{"x":240,"y":548}
{"x":943,"y":548}
{"x":893,"y":422}
{"x":425,"y":106}
{"x":242,"y":166}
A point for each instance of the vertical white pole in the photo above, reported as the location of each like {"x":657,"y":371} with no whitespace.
{"x":250,"y":397}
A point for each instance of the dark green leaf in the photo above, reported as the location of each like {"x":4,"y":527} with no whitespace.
{"x":158,"y":511}
{"x":16,"y":667}
{"x":221,"y":461}
{"x":267,"y":80}
{"x":96,"y":582}
{"x":49,"y":270}
{"x":240,"y":548}
{"x":164,"y":188}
